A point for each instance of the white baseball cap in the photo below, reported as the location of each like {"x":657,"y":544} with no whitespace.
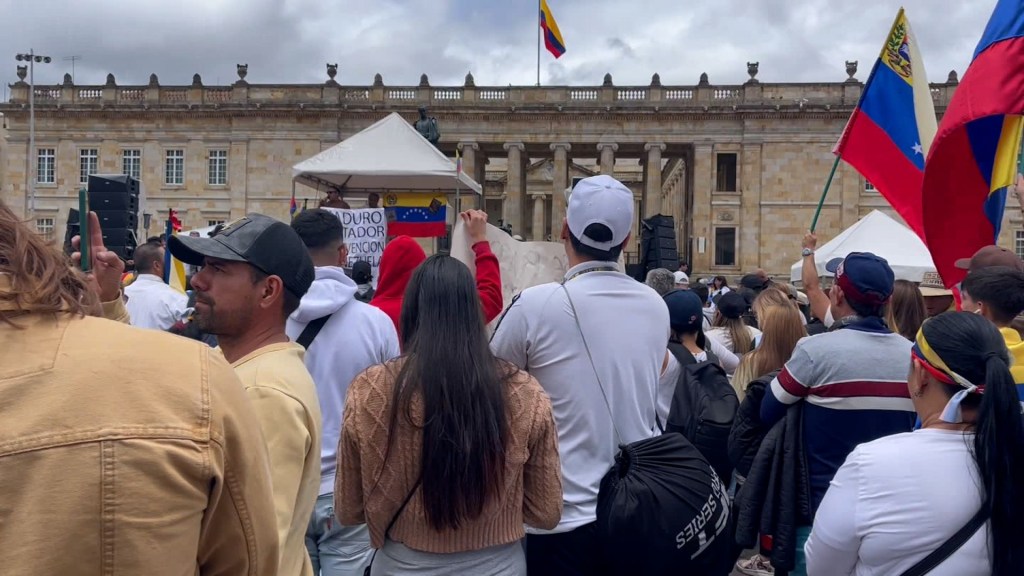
{"x":681,"y":277}
{"x":600,"y":200}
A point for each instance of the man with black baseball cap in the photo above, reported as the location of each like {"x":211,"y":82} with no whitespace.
{"x":253,"y":275}
{"x":853,"y":379}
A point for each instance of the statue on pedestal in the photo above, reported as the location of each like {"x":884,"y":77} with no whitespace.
{"x":427,"y":127}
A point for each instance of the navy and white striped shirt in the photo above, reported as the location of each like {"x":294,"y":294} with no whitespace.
{"x":854,"y":385}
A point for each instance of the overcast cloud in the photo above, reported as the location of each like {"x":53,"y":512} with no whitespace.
{"x":290,"y":41}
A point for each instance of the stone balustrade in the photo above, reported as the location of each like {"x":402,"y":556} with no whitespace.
{"x":753,"y":94}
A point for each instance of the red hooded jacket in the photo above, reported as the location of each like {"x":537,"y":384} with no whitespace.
{"x":401,"y":257}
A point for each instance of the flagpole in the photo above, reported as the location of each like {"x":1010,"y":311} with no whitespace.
{"x":168,"y":232}
{"x":824,"y":193}
{"x":538,"y":42}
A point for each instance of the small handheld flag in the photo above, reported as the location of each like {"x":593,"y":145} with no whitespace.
{"x":294,"y":206}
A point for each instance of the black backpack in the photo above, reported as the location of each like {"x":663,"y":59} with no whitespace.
{"x":703,"y":408}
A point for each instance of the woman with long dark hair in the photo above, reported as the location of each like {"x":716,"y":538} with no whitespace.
{"x":447,"y":451}
{"x":898,"y":499}
{"x":905,"y":310}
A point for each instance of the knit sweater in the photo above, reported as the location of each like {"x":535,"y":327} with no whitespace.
{"x":371,"y":490}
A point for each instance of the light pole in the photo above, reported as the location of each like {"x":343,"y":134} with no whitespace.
{"x":32,"y":58}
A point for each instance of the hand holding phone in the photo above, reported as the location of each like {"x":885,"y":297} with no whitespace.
{"x":103,"y":268}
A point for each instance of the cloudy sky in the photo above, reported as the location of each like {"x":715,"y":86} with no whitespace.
{"x":286,"y":41}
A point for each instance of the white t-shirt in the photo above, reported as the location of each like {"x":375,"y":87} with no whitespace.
{"x":626,"y":324}
{"x":893,"y":502}
{"x":153,"y":304}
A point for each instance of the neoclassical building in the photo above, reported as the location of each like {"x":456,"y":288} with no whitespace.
{"x":739,"y":167}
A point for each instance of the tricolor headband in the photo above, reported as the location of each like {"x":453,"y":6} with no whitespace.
{"x":934,"y":365}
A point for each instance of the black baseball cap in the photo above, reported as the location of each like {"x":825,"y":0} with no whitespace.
{"x":261,"y":241}
{"x":733,"y":305}
{"x":362,"y":272}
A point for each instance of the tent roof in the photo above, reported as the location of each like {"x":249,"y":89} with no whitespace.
{"x":389,"y":155}
{"x":880,"y":234}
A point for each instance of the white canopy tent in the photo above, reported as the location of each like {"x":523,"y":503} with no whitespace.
{"x":879,"y":234}
{"x":389,"y":155}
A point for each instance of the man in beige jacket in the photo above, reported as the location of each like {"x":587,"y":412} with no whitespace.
{"x":254,"y":272}
{"x":122,"y":451}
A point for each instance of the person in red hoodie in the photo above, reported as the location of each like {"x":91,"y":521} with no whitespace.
{"x":403,"y":254}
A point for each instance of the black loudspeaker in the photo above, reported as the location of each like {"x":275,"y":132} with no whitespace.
{"x":658,"y":244}
{"x":115,"y":200}
{"x":71,"y":231}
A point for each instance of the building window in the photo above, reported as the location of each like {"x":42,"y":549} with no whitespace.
{"x":45,"y":227}
{"x":218,"y":168}
{"x":725,"y":246}
{"x":1018,"y":243}
{"x":46,"y":166}
{"x":212,"y":223}
{"x":174,"y":167}
{"x":131,"y":163}
{"x":726,"y":172}
{"x":869,"y":187}
{"x":88,"y":164}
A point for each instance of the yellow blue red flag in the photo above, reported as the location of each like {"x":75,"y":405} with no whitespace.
{"x":974,"y":156}
{"x":891,"y":130}
{"x":552,"y":35}
{"x":416,"y":215}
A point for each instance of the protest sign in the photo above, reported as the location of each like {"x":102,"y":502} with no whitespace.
{"x":523,"y":264}
{"x":365,"y":235}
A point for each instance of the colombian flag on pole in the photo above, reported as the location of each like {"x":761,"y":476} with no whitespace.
{"x":174,"y":269}
{"x":552,"y":36}
{"x":890,"y":132}
{"x":973,"y":158}
{"x":416,"y":215}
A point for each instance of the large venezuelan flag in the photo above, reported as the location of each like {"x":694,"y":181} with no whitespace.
{"x":890,"y":132}
{"x":974,"y":155}
{"x":552,"y":35}
{"x":416,"y":215}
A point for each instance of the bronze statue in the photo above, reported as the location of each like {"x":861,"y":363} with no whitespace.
{"x":427,"y":127}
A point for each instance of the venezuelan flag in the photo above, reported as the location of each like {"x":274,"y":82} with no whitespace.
{"x":416,"y":215}
{"x":973,"y":158}
{"x":552,"y":35}
{"x":890,"y":132}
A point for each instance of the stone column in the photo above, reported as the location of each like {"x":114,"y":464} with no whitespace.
{"x":652,"y":169}
{"x":607,"y":151}
{"x":700,"y":172}
{"x":559,"y":182}
{"x":515,"y":187}
{"x":749,"y":222}
{"x":538,"y":218}
{"x":468,"y":151}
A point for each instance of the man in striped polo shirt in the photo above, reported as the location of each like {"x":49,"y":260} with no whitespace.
{"x":853,"y":379}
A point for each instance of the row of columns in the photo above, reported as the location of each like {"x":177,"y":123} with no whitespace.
{"x":513,"y":206}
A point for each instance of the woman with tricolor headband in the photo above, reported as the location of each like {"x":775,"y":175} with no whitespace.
{"x":949,"y":496}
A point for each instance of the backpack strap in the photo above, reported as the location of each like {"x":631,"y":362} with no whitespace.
{"x":954,"y":543}
{"x":311,"y":330}
{"x":683,"y":356}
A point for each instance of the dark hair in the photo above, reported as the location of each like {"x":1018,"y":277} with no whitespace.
{"x":290,"y":302}
{"x":721,"y":279}
{"x":973,"y":348}
{"x":866,"y":310}
{"x":700,"y":290}
{"x":905,"y":311}
{"x":449,"y":363}
{"x":1000,"y":288}
{"x":146,"y":256}
{"x":598,"y":233}
{"x":154,"y":239}
{"x":318,"y":228}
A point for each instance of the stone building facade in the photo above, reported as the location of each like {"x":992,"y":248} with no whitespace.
{"x":739,"y":167}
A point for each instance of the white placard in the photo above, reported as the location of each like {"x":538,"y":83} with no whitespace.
{"x":365,"y":234}
{"x":523,"y":264}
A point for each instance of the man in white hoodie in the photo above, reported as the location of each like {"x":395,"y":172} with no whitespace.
{"x":342,"y":337}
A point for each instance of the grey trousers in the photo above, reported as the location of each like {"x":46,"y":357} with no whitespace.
{"x":396,"y":559}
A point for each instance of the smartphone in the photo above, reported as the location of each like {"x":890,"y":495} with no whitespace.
{"x":83,"y":229}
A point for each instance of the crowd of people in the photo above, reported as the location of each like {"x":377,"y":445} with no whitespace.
{"x":312,"y":421}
